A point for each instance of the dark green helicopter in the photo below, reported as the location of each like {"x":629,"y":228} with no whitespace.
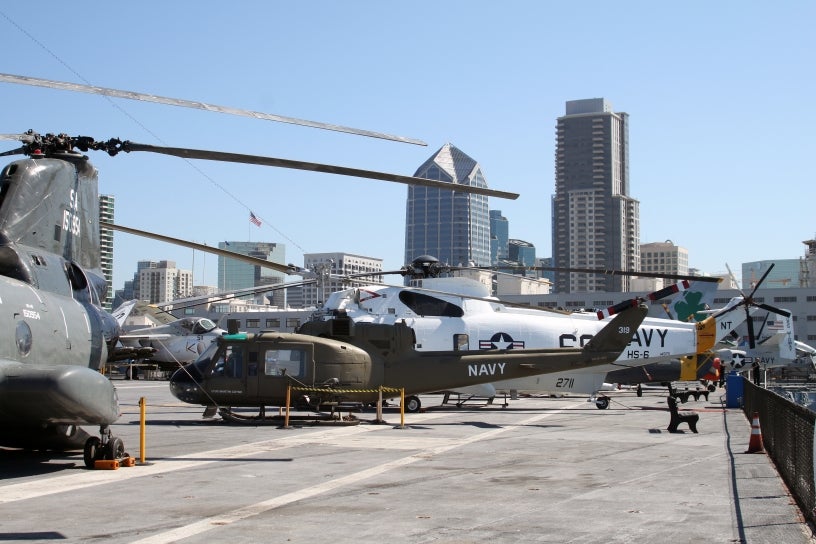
{"x":343,"y":361}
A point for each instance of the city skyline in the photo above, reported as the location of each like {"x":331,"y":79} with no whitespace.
{"x":720,"y":140}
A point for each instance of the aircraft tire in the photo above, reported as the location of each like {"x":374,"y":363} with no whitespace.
{"x":639,"y":391}
{"x":115,"y":448}
{"x":412,"y":404}
{"x":91,"y":451}
{"x":602,"y":403}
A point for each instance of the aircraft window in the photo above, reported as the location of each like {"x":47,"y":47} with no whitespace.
{"x":461,"y":342}
{"x":280,"y":362}
{"x":423,"y":304}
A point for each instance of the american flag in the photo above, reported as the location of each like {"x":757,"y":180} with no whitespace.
{"x":254,"y":220}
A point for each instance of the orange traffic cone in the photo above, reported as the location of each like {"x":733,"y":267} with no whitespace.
{"x":755,"y":444}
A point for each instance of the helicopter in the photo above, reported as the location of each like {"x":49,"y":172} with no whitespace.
{"x":351,"y":362}
{"x":459,"y":311}
{"x":57,"y":337}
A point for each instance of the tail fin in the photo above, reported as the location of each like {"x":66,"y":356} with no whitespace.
{"x":617,"y":334}
{"x":123,"y":311}
{"x":686,"y":300}
{"x":782,"y":336}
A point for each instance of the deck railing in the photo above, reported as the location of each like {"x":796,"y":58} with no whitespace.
{"x":787,"y":435}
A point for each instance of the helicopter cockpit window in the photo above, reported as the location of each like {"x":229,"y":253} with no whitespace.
{"x":422,"y":304}
{"x":280,"y":362}
{"x":230,"y":363}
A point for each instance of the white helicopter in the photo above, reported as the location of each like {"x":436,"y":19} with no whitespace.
{"x":459,"y":313}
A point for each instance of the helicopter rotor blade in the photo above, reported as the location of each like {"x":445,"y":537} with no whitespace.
{"x":131,"y":95}
{"x":310,"y":166}
{"x":609,"y":272}
{"x":191,"y":302}
{"x":773,"y":309}
{"x":201,"y":247}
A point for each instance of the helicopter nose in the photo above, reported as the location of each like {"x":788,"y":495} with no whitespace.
{"x":184,"y":385}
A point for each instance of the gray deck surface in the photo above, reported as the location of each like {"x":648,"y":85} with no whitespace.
{"x":539,"y":470}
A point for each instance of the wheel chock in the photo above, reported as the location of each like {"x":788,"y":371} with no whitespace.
{"x":128,"y":462}
{"x":106,"y":464}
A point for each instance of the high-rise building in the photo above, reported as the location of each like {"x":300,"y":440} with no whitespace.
{"x":162,"y":281}
{"x":233,"y":274}
{"x":499,"y":236}
{"x":330,"y":266}
{"x":595,"y":221}
{"x":106,"y":203}
{"x":664,"y":258}
{"x":452,"y":226}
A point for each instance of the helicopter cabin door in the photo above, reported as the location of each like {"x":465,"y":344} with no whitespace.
{"x":281,"y":365}
{"x":227,"y":379}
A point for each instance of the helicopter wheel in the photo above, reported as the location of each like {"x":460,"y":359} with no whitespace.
{"x":91,"y":452}
{"x":115,"y":448}
{"x":412,"y":404}
{"x":602,"y":403}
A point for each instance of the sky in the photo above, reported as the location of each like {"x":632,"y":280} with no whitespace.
{"x":720,"y":97}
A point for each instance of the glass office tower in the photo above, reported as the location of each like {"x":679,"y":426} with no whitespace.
{"x":452,"y":226}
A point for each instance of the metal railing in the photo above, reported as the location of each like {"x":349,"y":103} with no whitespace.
{"x":787,"y":435}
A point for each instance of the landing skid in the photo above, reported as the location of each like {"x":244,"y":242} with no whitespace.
{"x":104,"y":447}
{"x":318,"y":418}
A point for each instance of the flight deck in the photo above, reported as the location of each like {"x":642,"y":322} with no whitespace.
{"x":539,"y":470}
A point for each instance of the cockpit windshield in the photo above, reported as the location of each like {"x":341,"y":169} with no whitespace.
{"x":205,"y":359}
{"x":203,"y":325}
{"x":197,"y":325}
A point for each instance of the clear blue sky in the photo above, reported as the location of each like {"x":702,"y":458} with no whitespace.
{"x":720,"y":97}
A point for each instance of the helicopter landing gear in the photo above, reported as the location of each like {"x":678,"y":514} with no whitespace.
{"x":103,"y":447}
{"x":412,"y":404}
{"x":602,"y":403}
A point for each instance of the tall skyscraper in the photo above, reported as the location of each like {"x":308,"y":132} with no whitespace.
{"x":106,"y":247}
{"x":499,"y":236}
{"x":452,"y":226}
{"x":595,"y":222}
